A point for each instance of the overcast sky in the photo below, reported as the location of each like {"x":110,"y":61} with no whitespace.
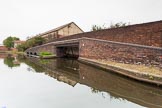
{"x":24,"y":18}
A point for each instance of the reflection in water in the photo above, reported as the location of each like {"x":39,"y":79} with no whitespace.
{"x":11,"y":61}
{"x":100,"y":81}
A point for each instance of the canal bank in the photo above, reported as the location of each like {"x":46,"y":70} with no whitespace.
{"x":144,"y":76}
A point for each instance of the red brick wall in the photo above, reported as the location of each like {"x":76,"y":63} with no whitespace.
{"x":3,"y":48}
{"x":149,"y":34}
{"x":120,"y":52}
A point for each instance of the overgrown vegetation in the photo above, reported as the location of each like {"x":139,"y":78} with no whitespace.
{"x":119,"y":24}
{"x":116,"y":25}
{"x":31,"y":43}
{"x":46,"y":55}
{"x":97,"y":27}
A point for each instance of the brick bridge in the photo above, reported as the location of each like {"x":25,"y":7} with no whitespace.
{"x":140,"y":43}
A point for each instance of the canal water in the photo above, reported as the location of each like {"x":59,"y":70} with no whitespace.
{"x":64,"y":83}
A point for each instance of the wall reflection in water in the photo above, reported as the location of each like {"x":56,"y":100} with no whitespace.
{"x":73,"y":72}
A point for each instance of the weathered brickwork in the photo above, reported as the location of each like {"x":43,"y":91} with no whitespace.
{"x":135,"y":44}
{"x":120,"y":52}
{"x":149,"y":34}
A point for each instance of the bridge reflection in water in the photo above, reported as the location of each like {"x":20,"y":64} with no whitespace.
{"x":73,"y":72}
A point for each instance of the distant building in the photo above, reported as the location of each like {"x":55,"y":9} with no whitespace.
{"x":18,"y":42}
{"x":62,"y":31}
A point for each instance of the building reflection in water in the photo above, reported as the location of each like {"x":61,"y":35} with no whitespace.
{"x":73,"y":72}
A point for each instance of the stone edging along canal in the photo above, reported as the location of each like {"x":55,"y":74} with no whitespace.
{"x":145,"y":77}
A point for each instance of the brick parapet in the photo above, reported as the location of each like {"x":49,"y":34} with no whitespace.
{"x":120,"y":52}
{"x":149,"y":34}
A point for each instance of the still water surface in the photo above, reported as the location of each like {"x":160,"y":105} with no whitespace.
{"x":62,"y":83}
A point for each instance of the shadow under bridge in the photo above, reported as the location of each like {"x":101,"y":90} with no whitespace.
{"x":68,"y":50}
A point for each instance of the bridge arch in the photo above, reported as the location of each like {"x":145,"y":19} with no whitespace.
{"x":35,"y":53}
{"x":68,"y":50}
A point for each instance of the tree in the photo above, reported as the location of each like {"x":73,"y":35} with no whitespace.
{"x":39,"y":40}
{"x":35,"y":41}
{"x":9,"y":42}
{"x":31,"y":43}
{"x":22,"y":47}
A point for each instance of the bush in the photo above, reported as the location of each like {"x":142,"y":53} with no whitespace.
{"x":45,"y":53}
